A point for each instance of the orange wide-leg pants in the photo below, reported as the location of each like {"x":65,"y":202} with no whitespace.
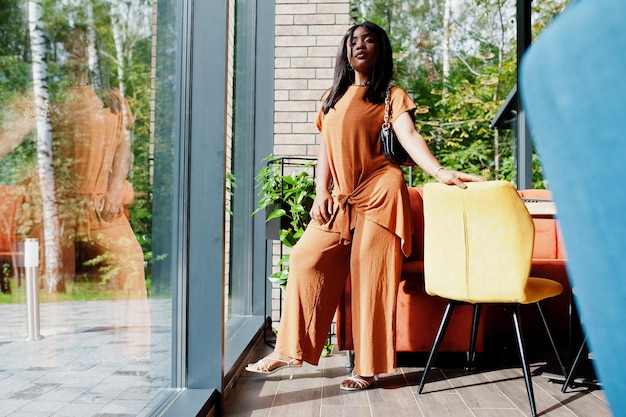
{"x":318,"y":268}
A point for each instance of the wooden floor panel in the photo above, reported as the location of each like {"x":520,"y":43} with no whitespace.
{"x":450,"y":391}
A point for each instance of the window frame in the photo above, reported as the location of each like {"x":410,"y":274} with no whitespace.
{"x":198,"y":355}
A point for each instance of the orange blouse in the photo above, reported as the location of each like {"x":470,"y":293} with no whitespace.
{"x":363,"y":179}
{"x":86,"y":139}
{"x":87,"y":136}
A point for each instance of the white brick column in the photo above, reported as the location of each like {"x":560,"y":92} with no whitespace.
{"x":308,"y":33}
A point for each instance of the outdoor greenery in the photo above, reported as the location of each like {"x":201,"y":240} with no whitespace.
{"x":287,"y":190}
{"x":80,"y":290}
{"x":458,"y":90}
{"x":458,"y":58}
{"x":125,"y":64}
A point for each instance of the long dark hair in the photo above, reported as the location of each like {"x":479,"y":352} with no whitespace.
{"x":344,"y":75}
{"x":98,"y":76}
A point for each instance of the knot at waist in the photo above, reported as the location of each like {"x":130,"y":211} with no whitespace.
{"x":345,"y":236}
{"x":343,"y":200}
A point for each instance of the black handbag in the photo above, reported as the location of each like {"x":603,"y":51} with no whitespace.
{"x":391,"y":145}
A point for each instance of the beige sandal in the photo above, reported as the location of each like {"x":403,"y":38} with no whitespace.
{"x":261,"y":367}
{"x":361,"y":383}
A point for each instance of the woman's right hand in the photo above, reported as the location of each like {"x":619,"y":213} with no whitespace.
{"x":458,"y":178}
{"x":322,"y":207}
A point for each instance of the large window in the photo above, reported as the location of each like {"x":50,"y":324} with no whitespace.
{"x":252,"y":135}
{"x":89,"y":144}
{"x":140,"y":287}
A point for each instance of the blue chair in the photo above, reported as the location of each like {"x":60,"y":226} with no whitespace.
{"x":573,"y":87}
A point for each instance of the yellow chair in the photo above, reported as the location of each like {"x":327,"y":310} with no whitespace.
{"x":478,"y":245}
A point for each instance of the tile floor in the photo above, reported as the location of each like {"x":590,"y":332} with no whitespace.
{"x":91,"y":361}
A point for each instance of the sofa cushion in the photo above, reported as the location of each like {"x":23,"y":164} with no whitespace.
{"x":418,"y":318}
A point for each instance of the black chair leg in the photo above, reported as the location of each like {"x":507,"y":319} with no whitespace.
{"x":570,"y":374}
{"x":471,"y":355}
{"x":522,"y":353}
{"x":438,"y":338}
{"x":552,"y":343}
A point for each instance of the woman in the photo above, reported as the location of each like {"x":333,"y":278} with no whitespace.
{"x":91,"y":158}
{"x":91,"y":129}
{"x":362,"y":225}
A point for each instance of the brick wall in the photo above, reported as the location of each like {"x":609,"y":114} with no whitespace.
{"x":308,"y":33}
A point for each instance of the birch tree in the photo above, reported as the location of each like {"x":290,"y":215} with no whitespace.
{"x":446,"y":40}
{"x":94,"y":62}
{"x":117,"y":11}
{"x":45,"y":170}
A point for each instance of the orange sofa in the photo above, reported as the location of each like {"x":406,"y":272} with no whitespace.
{"x":418,"y":314}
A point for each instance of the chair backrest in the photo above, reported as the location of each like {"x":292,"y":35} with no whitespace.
{"x":478,"y":242}
{"x":548,"y":241}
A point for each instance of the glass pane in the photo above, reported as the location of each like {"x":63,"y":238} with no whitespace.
{"x":238,"y":291}
{"x":86,"y":301}
{"x":244,"y":291}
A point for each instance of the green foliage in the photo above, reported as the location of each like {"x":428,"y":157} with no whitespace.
{"x":286,"y":197}
{"x":15,"y":75}
{"x":327,"y":350}
{"x":138,"y":93}
{"x":16,"y":82}
{"x":543,"y":12}
{"x":104,"y":264}
{"x":508,"y":171}
{"x":5,"y":281}
{"x":454,"y":114}
{"x":79,"y":290}
{"x":231,"y":184}
{"x":20,"y":164}
{"x":13,"y":28}
{"x":456,"y":126}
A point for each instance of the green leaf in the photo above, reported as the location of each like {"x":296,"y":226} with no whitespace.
{"x":276,"y":214}
{"x":287,"y":237}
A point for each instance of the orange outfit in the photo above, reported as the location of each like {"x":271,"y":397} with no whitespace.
{"x":86,"y":138}
{"x":369,"y":231}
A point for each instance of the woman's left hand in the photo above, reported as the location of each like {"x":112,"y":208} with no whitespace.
{"x":450,"y":177}
{"x":111,"y":205}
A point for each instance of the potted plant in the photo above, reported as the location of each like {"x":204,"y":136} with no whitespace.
{"x":287,"y":190}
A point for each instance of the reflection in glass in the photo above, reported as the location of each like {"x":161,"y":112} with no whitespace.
{"x":76,"y":134}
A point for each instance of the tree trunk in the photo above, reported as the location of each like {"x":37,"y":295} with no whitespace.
{"x":94,"y":64}
{"x":45,"y":170}
{"x":501,"y":45}
{"x":118,"y":38}
{"x":496,"y":152}
{"x":446,"y":40}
